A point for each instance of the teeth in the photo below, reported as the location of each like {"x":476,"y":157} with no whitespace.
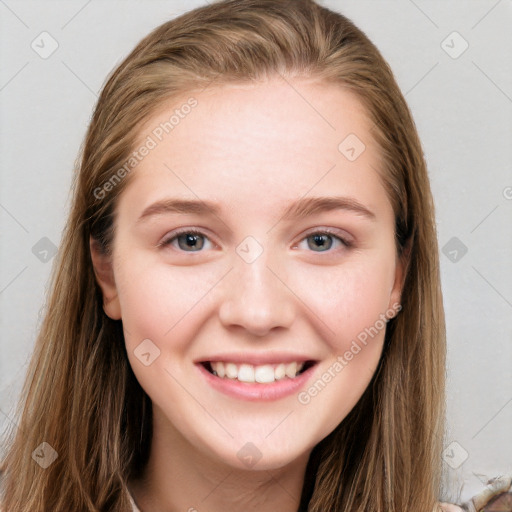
{"x":291,"y":370}
{"x":280,"y":371}
{"x":246,"y":373}
{"x":263,"y":374}
{"x":221,"y":371}
{"x":231,"y":370}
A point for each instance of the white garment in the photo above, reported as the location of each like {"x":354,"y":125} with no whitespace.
{"x":132,"y":502}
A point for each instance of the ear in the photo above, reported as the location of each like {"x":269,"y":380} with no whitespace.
{"x":401,"y":268}
{"x":102,"y":264}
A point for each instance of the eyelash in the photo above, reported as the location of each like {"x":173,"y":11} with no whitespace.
{"x":191,"y":231}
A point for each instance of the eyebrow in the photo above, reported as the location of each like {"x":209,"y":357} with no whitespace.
{"x":312,"y":205}
{"x":296,"y":210}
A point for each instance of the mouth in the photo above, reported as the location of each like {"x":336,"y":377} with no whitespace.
{"x":257,"y":374}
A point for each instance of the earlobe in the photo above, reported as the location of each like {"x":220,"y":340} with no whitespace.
{"x":402,"y":266}
{"x":103,"y":271}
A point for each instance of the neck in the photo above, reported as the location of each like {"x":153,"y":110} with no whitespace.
{"x":178,"y":477}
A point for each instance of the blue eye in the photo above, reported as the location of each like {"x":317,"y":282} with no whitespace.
{"x":320,"y":239}
{"x":187,"y":239}
{"x":193,"y":239}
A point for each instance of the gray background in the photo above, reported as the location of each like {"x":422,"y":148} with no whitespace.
{"x":462,"y":104}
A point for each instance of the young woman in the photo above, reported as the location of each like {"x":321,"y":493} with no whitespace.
{"x":246,"y":310}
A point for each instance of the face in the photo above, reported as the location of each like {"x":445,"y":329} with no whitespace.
{"x":268,"y":285}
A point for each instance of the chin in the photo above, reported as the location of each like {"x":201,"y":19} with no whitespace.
{"x":260,"y":457}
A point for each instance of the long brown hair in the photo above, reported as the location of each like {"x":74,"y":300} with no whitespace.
{"x":81,"y":396}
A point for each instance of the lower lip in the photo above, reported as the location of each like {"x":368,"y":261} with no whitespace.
{"x":256,"y":391}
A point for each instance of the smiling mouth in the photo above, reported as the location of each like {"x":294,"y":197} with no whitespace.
{"x":262,"y":374}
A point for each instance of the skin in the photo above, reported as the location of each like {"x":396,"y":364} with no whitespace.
{"x":448,"y":507}
{"x":253,"y":149}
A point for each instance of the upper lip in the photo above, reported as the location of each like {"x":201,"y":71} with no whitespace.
{"x":256,"y":359}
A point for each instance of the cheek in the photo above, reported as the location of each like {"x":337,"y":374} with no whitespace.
{"x":342,"y":300}
{"x":347,"y":300}
{"x":157,"y":301}
{"x":164,"y":305}
{"x":348,"y":311}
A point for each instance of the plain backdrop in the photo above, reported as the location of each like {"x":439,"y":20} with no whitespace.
{"x":453,"y":62}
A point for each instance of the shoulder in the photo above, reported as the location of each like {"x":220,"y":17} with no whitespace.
{"x":449,"y":507}
{"x":498,"y":488}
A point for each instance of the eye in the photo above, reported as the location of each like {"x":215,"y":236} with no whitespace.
{"x":186,"y":239}
{"x":194,"y":239}
{"x":324,"y":240}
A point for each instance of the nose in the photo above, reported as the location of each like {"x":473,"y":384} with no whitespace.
{"x":255,"y":296}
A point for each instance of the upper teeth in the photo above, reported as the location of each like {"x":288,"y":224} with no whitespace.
{"x":249,"y":373}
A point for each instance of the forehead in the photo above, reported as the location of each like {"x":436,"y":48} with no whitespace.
{"x":278,"y":139}
{"x":287,"y":117}
{"x":284,"y":116}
